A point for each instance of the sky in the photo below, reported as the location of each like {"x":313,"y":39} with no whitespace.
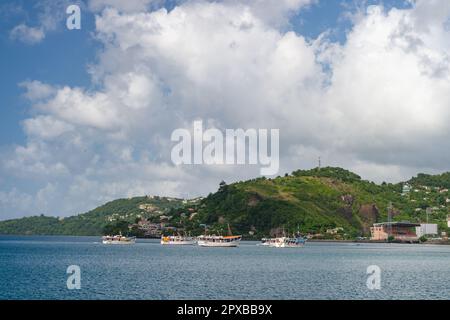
{"x":86,"y":115}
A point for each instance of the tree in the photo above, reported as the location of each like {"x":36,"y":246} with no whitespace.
{"x":116,"y":228}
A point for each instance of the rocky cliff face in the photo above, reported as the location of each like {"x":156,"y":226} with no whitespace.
{"x":369,"y":214}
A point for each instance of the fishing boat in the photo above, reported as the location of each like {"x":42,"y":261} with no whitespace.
{"x":285,"y":242}
{"x":178,"y":240}
{"x":118,"y":239}
{"x":266,"y":242}
{"x":219,"y":241}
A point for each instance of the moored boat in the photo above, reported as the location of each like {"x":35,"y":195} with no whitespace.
{"x":118,"y":239}
{"x":285,"y":242}
{"x":266,"y":241}
{"x":218,"y":241}
{"x":178,"y":240}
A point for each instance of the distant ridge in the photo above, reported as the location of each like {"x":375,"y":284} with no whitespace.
{"x":310,"y":201}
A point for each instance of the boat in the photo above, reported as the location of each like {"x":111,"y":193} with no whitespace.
{"x":178,"y":240}
{"x":266,"y":242}
{"x":285,"y":242}
{"x":118,"y":239}
{"x":219,"y":241}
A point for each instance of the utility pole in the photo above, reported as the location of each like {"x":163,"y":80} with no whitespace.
{"x":389,"y":220}
{"x":319,"y":163}
{"x":428,"y":211}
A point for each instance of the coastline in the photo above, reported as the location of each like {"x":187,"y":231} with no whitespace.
{"x":430,"y":242}
{"x":376,"y":241}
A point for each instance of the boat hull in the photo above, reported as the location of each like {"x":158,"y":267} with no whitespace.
{"x":179,"y":243}
{"x":178,"y":240}
{"x":118,"y":242}
{"x":233,"y":244}
{"x":219,"y":241}
{"x":285,"y":242}
{"x":119,"y":239}
{"x":284,"y":245}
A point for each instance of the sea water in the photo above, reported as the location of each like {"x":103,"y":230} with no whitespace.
{"x":36,"y":268}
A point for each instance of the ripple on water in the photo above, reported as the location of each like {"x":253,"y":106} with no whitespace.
{"x":35,"y":268}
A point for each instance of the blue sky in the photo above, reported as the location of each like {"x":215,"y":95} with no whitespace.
{"x":331,"y":15}
{"x":62,"y":58}
{"x":85,"y":143}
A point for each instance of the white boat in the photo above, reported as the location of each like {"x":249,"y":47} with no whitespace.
{"x":285,"y":242}
{"x":178,"y":240}
{"x":118,"y":239}
{"x":266,"y":242}
{"x":218,"y":241}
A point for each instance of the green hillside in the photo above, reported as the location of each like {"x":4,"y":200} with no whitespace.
{"x":311,"y":201}
{"x":92,"y":222}
{"x":320,"y":199}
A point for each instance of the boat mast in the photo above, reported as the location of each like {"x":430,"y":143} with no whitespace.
{"x":229,"y":230}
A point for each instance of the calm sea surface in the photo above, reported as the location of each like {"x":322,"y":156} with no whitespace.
{"x":35,"y":268}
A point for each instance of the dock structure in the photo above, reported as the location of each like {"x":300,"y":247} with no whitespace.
{"x":400,"y":231}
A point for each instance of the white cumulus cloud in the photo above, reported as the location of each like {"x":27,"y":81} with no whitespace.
{"x":26,"y":34}
{"x":377,"y":103}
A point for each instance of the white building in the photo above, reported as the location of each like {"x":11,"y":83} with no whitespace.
{"x":335,"y":230}
{"x":406,"y":189}
{"x":426,"y":229}
{"x":448,"y":221}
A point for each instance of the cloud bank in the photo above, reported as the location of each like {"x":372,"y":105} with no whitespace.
{"x":45,"y":16}
{"x":376,"y":104}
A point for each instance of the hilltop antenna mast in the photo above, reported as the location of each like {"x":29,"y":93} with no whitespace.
{"x":319,"y":163}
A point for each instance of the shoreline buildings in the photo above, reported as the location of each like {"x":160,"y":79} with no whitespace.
{"x":427,"y":229}
{"x":401,"y":231}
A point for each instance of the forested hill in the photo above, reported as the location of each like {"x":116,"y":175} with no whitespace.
{"x":320,"y":199}
{"x":94,"y":221}
{"x":311,"y":201}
